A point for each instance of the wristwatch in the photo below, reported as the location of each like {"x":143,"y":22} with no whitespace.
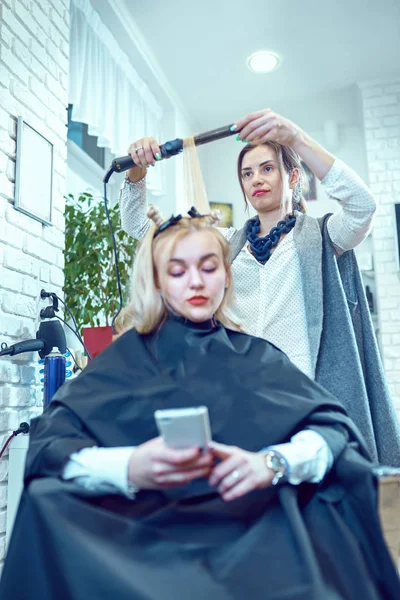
{"x":278,"y":464}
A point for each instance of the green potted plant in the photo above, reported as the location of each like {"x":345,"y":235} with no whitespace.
{"x":91,"y":287}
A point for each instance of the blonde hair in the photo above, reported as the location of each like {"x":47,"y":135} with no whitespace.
{"x":146,"y":310}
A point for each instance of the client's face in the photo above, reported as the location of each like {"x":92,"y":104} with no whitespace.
{"x":194,"y":279}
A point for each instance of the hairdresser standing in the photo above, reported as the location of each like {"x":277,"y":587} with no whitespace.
{"x":299,"y":287}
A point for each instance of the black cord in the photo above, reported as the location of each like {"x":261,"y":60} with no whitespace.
{"x":69,"y":311}
{"x":77,"y":335}
{"x":23,"y":428}
{"x":73,"y":358}
{"x":6,"y":444}
{"x":115,"y":259}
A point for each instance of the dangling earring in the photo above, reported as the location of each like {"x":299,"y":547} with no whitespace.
{"x":297,"y":192}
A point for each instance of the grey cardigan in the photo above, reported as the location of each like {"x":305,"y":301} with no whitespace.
{"x":343,"y":346}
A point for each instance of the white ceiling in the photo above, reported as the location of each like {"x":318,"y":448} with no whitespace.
{"x":326,"y":47}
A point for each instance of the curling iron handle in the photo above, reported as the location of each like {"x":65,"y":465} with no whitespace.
{"x":168,"y":149}
{"x":123,"y":163}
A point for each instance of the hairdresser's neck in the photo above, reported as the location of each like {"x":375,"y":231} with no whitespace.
{"x":268,"y":220}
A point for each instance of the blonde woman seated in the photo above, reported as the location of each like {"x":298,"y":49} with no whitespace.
{"x":282,"y":505}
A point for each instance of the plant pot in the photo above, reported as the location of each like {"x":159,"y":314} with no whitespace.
{"x":97,"y":338}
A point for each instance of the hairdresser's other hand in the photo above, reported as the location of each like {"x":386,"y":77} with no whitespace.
{"x":266,"y":125}
{"x":153,"y":466}
{"x":239,"y":473}
{"x":144,"y":152}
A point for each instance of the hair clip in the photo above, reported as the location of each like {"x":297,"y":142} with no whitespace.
{"x":155,"y":215}
{"x":171,"y":221}
{"x":194,"y":213}
{"x":213,"y":217}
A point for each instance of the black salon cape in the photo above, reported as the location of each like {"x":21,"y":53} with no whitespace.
{"x":308,"y":542}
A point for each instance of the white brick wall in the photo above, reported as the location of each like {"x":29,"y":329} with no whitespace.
{"x":33,"y":84}
{"x":381,"y":105}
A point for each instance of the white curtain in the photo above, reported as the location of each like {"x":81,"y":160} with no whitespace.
{"x":106,"y":92}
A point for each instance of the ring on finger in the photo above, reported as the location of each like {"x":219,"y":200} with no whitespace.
{"x":235,"y":475}
{"x":138,"y":148}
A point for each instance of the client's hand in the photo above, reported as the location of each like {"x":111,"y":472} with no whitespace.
{"x":153,"y":466}
{"x":239,"y":473}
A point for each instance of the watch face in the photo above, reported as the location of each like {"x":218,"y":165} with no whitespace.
{"x":276,"y":463}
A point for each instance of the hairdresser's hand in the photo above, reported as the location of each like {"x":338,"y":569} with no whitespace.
{"x":144,"y":152}
{"x":265,"y":125}
{"x":153,"y":466}
{"x":239,"y":473}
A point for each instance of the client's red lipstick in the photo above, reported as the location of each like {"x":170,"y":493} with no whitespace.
{"x":198,"y":300}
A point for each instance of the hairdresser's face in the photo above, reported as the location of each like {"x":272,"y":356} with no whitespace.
{"x":261,"y":179}
{"x":194,"y":279}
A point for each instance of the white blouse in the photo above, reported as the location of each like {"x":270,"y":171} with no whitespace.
{"x":269,"y":300}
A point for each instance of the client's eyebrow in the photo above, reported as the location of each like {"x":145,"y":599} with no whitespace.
{"x":266,"y":162}
{"x":202,"y":258}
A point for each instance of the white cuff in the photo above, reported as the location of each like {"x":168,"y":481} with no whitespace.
{"x":100,"y":468}
{"x":308,"y":456}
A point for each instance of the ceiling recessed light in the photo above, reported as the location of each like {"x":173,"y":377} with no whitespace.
{"x":263,"y":61}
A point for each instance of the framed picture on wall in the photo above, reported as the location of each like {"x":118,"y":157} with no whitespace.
{"x":309,"y":184}
{"x":33,"y":173}
{"x":226,"y":211}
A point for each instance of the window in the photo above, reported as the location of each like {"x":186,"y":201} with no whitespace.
{"x":78,"y":133}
